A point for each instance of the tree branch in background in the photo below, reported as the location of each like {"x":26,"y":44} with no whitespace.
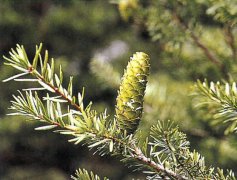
{"x":230,"y":40}
{"x":209,"y":54}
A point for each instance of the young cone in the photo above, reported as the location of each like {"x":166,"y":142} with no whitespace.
{"x":127,"y":8}
{"x":131,"y":92}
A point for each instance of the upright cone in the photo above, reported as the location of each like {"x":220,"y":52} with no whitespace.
{"x":127,"y":8}
{"x":130,"y":98}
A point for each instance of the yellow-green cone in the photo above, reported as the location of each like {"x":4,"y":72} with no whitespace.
{"x":127,"y":8}
{"x":131,"y":92}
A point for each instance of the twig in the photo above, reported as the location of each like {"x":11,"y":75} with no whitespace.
{"x":211,"y":56}
{"x":141,"y":157}
{"x":137,"y":153}
{"x":40,"y":77}
{"x":206,"y":51}
{"x":229,"y":38}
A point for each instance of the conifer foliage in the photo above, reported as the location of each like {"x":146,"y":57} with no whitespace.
{"x":164,"y":155}
{"x":223,"y":99}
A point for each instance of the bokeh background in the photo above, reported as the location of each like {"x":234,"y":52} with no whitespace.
{"x":93,"y":42}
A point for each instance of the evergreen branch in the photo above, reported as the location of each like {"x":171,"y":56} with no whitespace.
{"x":82,"y":174}
{"x":169,"y":156}
{"x":83,"y":125}
{"x":157,"y":167}
{"x":46,"y":77}
{"x":230,"y":40}
{"x":96,"y":132}
{"x":173,"y":17}
{"x":170,"y":148}
{"x":222,"y":11}
{"x":223,"y":98}
{"x":210,"y":55}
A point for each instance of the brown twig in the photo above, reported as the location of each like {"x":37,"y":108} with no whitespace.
{"x":210,"y":55}
{"x":159,"y":168}
{"x":206,"y":51}
{"x":229,"y":38}
{"x":41,"y":78}
{"x":137,"y":153}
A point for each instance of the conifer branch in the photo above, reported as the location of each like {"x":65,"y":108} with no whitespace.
{"x":46,"y":78}
{"x":230,"y":40}
{"x":93,"y":131}
{"x":171,"y":17}
{"x":223,"y":99}
{"x":157,"y":167}
{"x":83,"y":174}
{"x":165,"y":156}
{"x":209,"y":54}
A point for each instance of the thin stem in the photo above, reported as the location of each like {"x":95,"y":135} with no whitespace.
{"x":34,"y":72}
{"x":210,"y":55}
{"x":137,"y":153}
{"x":176,"y":159}
{"x":229,"y":38}
{"x":159,"y":168}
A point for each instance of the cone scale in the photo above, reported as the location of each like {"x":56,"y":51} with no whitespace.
{"x":131,"y":93}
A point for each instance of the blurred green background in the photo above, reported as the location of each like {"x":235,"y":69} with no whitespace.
{"x":85,"y":36}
